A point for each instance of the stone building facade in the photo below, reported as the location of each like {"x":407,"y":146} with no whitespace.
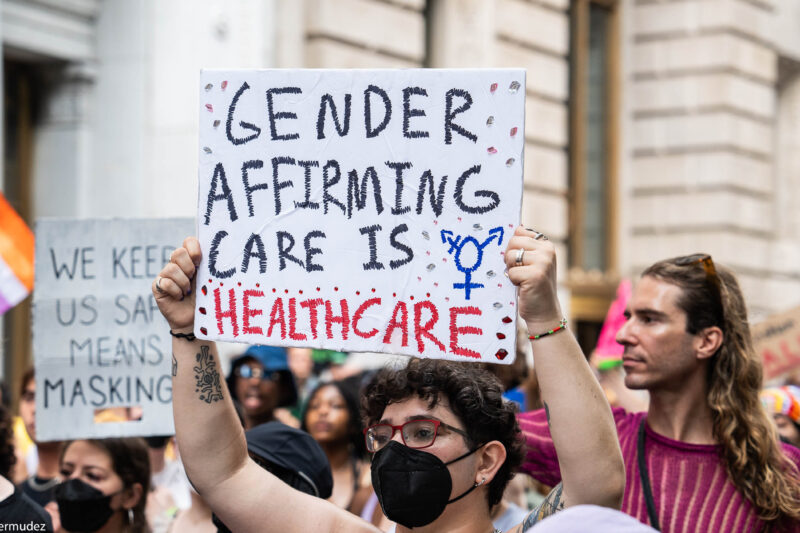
{"x":654,"y":127}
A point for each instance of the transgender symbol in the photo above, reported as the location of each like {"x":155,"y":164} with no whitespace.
{"x":457,"y":245}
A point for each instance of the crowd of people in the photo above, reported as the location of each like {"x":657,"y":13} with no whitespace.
{"x":289,"y":443}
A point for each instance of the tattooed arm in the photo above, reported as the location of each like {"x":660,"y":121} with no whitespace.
{"x":578,"y":415}
{"x":210,"y":437}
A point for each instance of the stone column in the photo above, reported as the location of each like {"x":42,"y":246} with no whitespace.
{"x":63,"y":144}
{"x":703,"y":100}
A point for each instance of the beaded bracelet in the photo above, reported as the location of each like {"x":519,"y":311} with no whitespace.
{"x":188,"y":336}
{"x":561,"y":325}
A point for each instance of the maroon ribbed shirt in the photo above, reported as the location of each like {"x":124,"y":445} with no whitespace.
{"x":691,"y":488}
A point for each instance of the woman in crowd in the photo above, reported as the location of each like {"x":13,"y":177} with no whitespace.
{"x":332,"y":417}
{"x":262,"y":384}
{"x":104,"y":488}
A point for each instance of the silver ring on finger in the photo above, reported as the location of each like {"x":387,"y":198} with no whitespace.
{"x":519,"y":258}
{"x":540,"y":236}
{"x":158,"y":285}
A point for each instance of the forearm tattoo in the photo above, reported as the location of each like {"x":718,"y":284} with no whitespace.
{"x":207,"y":377}
{"x":174,"y":366}
{"x":551,"y":505}
{"x":547,"y":412}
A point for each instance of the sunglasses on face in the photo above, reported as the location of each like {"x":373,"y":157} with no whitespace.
{"x":415,"y":433}
{"x":707,"y":263}
{"x":258,"y":372}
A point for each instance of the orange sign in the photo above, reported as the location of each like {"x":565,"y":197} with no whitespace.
{"x":777,"y":340}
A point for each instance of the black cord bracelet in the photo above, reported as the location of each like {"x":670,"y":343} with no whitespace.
{"x":188,"y":336}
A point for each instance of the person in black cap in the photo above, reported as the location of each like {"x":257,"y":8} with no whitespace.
{"x":291,"y":455}
{"x":260,"y":381}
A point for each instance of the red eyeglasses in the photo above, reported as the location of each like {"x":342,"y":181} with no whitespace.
{"x":415,"y":433}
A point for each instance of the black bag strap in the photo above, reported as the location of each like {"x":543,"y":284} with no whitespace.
{"x":645,"y":477}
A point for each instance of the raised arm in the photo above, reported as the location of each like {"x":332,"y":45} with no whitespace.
{"x":213,"y":448}
{"x":578,"y":414}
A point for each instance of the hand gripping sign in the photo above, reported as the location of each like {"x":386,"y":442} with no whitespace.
{"x":360,"y":210}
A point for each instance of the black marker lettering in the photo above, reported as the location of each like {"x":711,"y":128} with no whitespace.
{"x":373,"y":264}
{"x":397,"y":263}
{"x":387,"y":111}
{"x":459,"y":194}
{"x":278,"y":185}
{"x":219,"y":178}
{"x":307,"y":203}
{"x":311,"y":252}
{"x":409,"y":112}
{"x":283,"y":252}
{"x":254,"y":240}
{"x":436,"y":198}
{"x":327,"y":100}
{"x":214,"y":254}
{"x":398,"y":208}
{"x":359,"y":193}
{"x":273,"y":116}
{"x":248,"y":189}
{"x":449,"y":115}
{"x":328,"y":183}
{"x":243,"y":124}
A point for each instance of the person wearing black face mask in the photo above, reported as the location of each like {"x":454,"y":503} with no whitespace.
{"x":105,"y":486}
{"x":441,"y":421}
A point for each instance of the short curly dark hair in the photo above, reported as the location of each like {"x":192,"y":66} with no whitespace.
{"x":474,"y":395}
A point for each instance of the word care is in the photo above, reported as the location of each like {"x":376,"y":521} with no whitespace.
{"x":101,"y":347}
{"x":360,"y":210}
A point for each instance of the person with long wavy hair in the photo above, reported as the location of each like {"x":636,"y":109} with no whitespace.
{"x":705,"y":456}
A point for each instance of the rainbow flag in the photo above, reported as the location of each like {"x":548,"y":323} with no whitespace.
{"x":16,"y":257}
{"x":608,"y":353}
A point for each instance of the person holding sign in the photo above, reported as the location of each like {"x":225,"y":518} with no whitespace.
{"x":704,"y":456}
{"x":441,"y":421}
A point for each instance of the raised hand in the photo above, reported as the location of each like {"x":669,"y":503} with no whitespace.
{"x":174,"y":286}
{"x":531,"y":262}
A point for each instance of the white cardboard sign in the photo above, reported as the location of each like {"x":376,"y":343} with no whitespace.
{"x":99,"y":340}
{"x":360,"y":210}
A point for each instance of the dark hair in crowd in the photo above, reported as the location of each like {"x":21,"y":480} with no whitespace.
{"x":474,"y":395}
{"x":24,"y":379}
{"x":349,"y":391}
{"x":131,"y":462}
{"x":7,"y":457}
{"x":750,"y":448}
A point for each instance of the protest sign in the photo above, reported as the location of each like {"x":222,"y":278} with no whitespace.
{"x":608,"y":352}
{"x":362,"y":210}
{"x":777,"y":340}
{"x":99,"y":341}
